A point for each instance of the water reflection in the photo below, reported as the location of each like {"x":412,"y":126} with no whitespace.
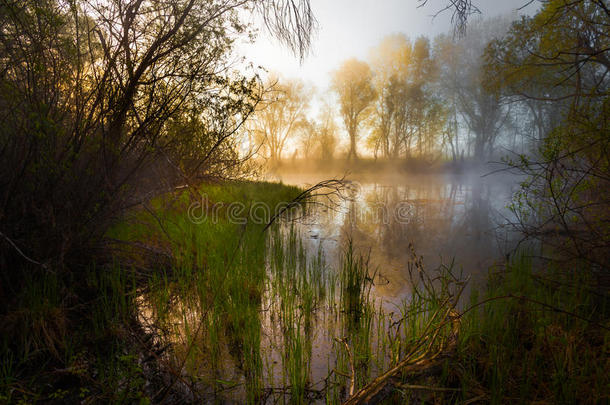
{"x":297,"y":318}
{"x":445,"y":217}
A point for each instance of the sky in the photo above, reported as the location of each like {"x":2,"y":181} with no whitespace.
{"x":350,"y":28}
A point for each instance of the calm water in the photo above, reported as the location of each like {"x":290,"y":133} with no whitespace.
{"x":298,"y":330}
{"x":445,"y":217}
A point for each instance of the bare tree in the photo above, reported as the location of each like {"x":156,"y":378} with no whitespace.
{"x":279,"y":115}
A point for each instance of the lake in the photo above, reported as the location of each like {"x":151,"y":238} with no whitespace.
{"x":332,"y":305}
{"x":460,"y":218}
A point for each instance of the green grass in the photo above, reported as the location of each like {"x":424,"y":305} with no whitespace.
{"x":537,"y":337}
{"x":58,"y":350}
{"x":205,"y":302}
{"x":230,"y":290}
{"x":220,"y":281}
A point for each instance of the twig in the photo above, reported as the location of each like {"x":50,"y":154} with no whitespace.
{"x":427,"y":388}
{"x":352,"y":383}
{"x":334,"y":185}
{"x":26,"y":257}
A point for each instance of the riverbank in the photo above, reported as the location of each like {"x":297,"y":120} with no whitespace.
{"x":382,"y":167}
{"x":200,"y":304}
{"x":69,"y":340}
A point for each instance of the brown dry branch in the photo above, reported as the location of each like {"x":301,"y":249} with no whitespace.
{"x":433,"y":346}
{"x":352,"y":376}
{"x":327,"y":189}
{"x":413,"y":365}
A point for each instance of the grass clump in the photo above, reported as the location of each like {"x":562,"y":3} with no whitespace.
{"x":536,"y":335}
{"x":181,"y":295}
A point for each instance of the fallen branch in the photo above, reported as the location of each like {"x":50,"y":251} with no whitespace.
{"x":427,"y":388}
{"x":410,"y":367}
{"x":428,"y":353}
{"x":352,"y":377}
{"x":331,"y":188}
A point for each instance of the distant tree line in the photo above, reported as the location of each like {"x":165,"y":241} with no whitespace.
{"x":416,"y":99}
{"x":529,"y":92}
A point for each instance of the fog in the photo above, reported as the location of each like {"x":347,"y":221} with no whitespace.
{"x":350,"y":28}
{"x":460,"y":220}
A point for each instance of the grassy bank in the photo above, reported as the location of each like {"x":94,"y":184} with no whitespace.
{"x":201,"y":304}
{"x":537,"y":334}
{"x":533,"y":334}
{"x":67,"y":339}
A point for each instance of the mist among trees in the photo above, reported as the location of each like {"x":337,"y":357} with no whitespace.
{"x":424,"y":99}
{"x":522,"y":93}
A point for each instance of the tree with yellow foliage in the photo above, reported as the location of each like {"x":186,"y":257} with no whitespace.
{"x":353,"y":83}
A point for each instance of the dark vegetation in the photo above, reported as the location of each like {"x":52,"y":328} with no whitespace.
{"x":103,"y":106}
{"x":116,"y":117}
{"x":530,"y":336}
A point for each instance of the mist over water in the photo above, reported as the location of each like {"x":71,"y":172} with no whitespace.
{"x":447,"y":218}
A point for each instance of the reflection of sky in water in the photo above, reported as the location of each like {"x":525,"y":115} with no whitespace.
{"x":445,"y":217}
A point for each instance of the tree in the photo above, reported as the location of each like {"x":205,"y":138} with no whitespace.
{"x":279,"y":115}
{"x":557,"y":63}
{"x":96,"y":96}
{"x":319,"y":136}
{"x":463,"y":87}
{"x":446,"y":52}
{"x":326,"y":133}
{"x":308,"y":138}
{"x":425,"y":109}
{"x":353,"y":84}
{"x":390,"y":61}
{"x":406,"y":108}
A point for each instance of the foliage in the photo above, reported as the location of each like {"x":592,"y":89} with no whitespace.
{"x":280,"y":113}
{"x":407,"y":112}
{"x":353,"y":84}
{"x":557,"y":64}
{"x":104,"y":105}
{"x":319,"y":137}
{"x":534,"y":335}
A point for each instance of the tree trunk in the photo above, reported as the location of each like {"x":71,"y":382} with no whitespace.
{"x":352,"y":145}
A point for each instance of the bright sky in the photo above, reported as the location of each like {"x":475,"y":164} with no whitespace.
{"x":350,"y":28}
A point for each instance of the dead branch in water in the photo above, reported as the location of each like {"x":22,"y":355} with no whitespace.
{"x":352,"y":376}
{"x":434,"y":345}
{"x":327,"y":189}
{"x":414,"y":365}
